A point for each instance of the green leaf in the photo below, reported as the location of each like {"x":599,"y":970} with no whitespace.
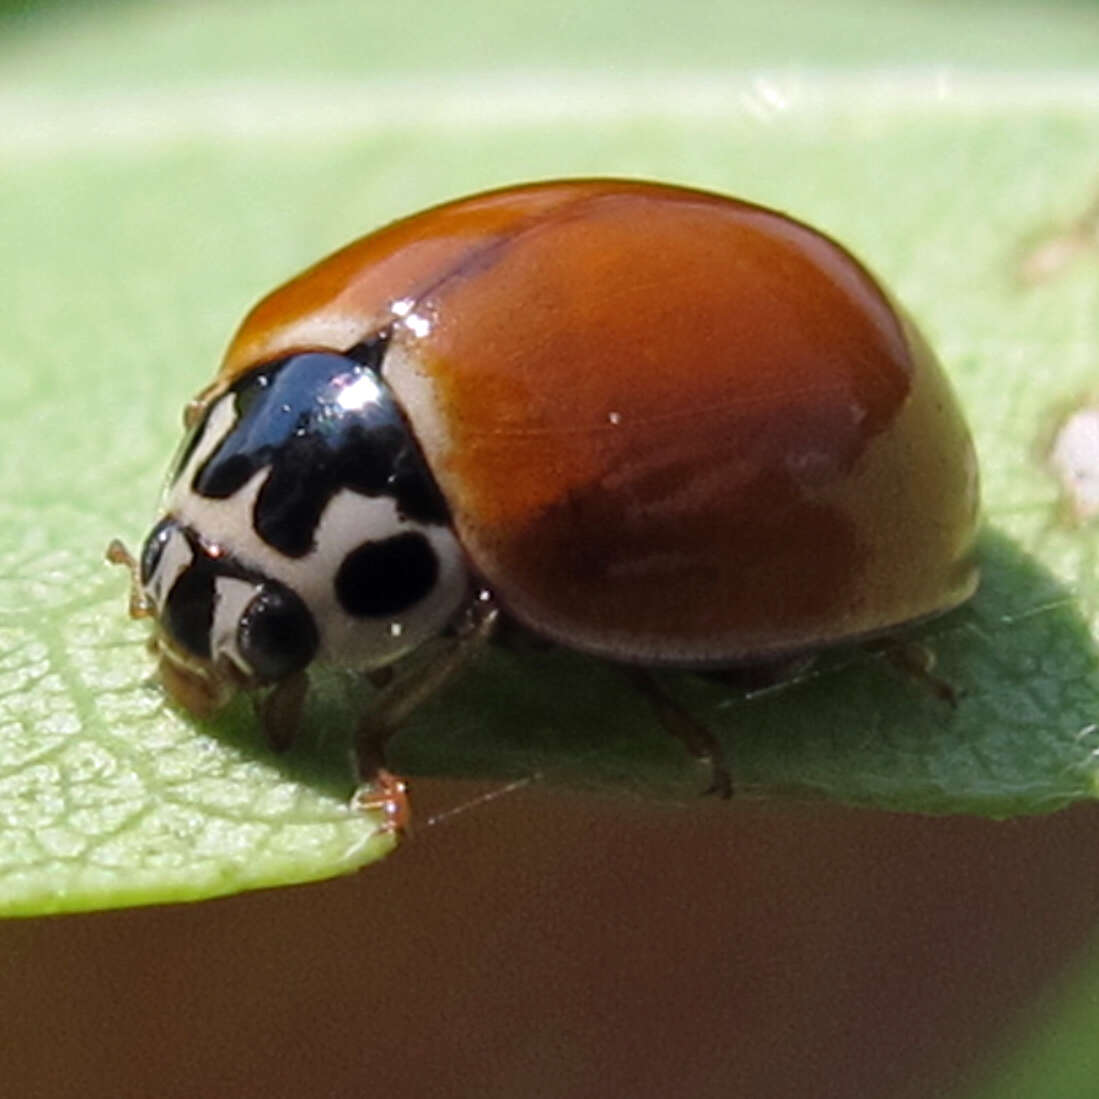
{"x":155,"y":181}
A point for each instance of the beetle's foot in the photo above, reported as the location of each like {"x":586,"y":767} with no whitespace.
{"x":677,"y":722}
{"x":388,"y":793}
{"x":917,"y":662}
{"x":721,"y":781}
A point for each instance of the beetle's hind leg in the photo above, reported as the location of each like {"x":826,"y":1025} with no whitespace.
{"x":677,"y":722}
{"x":916,"y":661}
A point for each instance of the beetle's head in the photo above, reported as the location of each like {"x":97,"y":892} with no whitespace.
{"x":220,"y":626}
{"x":300,"y":523}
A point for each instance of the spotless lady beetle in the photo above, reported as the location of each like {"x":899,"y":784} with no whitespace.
{"x":656,"y":425}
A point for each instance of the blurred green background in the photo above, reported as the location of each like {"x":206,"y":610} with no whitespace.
{"x":161,"y":165}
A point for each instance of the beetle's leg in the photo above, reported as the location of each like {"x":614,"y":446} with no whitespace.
{"x":917,"y":662}
{"x":699,"y":740}
{"x":118,"y":554}
{"x":388,"y":793}
{"x":398,"y":699}
{"x":280,"y":710}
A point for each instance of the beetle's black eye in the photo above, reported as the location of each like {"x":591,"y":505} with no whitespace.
{"x":188,"y":614}
{"x":153,"y":549}
{"x":276,"y":633}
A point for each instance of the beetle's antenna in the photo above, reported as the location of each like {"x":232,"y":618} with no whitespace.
{"x":118,"y":554}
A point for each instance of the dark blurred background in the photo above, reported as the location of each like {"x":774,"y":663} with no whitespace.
{"x":551,"y":945}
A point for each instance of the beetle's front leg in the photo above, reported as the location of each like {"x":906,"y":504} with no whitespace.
{"x":379,"y":788}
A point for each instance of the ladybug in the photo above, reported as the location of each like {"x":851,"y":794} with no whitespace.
{"x":657,"y":425}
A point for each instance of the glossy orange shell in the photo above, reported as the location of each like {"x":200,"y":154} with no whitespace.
{"x":672,"y":427}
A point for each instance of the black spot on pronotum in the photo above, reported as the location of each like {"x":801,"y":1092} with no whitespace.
{"x":320,"y":422}
{"x":387,"y":576}
{"x":226,"y":477}
{"x":417,"y":495}
{"x":276,"y":633}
